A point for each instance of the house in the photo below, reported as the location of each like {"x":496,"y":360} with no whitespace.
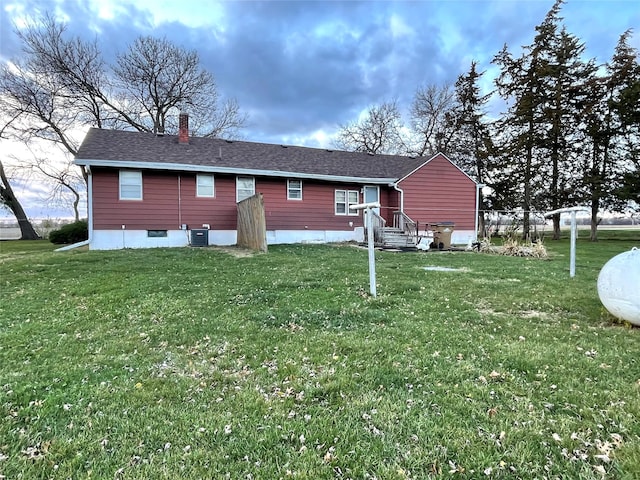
{"x":148,"y":190}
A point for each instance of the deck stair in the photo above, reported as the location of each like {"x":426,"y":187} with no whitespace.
{"x":397,"y":238}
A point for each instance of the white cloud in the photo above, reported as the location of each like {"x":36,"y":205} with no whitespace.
{"x":320,"y":138}
{"x":191,"y":14}
{"x":399,"y":28}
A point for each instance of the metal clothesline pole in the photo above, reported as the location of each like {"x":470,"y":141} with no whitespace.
{"x":372,"y":254}
{"x":367,"y":207}
{"x":574,"y":229}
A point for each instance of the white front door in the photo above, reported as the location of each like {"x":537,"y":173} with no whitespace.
{"x":372,"y":194}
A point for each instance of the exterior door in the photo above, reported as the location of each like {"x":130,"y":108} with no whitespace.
{"x":372,"y":194}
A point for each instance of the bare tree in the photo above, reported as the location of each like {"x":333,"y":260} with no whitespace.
{"x":36,"y":107}
{"x":223,"y":121}
{"x":149,"y":83}
{"x":67,"y":184}
{"x":9,"y":200}
{"x":432,"y":119}
{"x":378,"y":132}
{"x":60,"y":85}
{"x":57,"y":85}
{"x":158,"y":78}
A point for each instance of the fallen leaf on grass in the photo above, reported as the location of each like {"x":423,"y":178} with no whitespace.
{"x":455,"y":468}
{"x":36,"y":452}
{"x":329,"y":456}
{"x":617,"y":439}
{"x":604,"y":458}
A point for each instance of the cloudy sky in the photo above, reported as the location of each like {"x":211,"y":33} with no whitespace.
{"x":299,"y":69}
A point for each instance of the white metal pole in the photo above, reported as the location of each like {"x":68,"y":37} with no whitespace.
{"x":372,"y":257}
{"x":572,"y":261}
{"x":574,"y":233}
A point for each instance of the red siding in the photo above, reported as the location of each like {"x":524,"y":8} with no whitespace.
{"x":219,"y":212}
{"x":316,"y":210}
{"x":169,"y":200}
{"x":439,"y":192}
{"x":157,"y":210}
{"x":389,"y":203}
{"x":166,"y":207}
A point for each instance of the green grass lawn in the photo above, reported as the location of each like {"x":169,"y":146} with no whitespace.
{"x":196,"y":363}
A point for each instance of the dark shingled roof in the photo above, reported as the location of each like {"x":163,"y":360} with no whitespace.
{"x":118,"y":145}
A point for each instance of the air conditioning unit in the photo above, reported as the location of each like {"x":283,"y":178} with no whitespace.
{"x":199,"y":237}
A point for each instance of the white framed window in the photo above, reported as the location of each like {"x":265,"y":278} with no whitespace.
{"x":341,"y":202}
{"x":130,"y":185}
{"x":344,"y":200}
{"x":354,"y":199}
{"x":294,"y":189}
{"x":245,"y":188}
{"x":205,"y":186}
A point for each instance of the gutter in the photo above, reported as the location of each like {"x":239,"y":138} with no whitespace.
{"x":219,"y":169}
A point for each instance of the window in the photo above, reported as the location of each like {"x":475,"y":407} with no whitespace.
{"x":130,"y":185}
{"x":294,"y":189}
{"x":245,"y":188}
{"x":344,"y":200}
{"x":353,"y":200}
{"x":156,"y":233}
{"x":204,"y":186}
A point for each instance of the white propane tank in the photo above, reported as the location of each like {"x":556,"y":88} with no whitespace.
{"x":619,"y":286}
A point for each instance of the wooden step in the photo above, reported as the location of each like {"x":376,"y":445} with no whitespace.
{"x":397,"y":239}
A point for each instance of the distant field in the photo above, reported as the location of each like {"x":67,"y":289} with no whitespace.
{"x":9,"y":233}
{"x":200,"y":363}
{"x":13,"y":233}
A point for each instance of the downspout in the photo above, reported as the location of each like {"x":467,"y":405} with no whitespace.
{"x":90,"y":203}
{"x":477,"y":210}
{"x":397,"y":188}
{"x":179,"y":204}
{"x":478,"y":187}
{"x":89,"y":214}
{"x":186,"y":232}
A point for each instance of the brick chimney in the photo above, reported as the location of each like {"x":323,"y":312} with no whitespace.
{"x":183,"y":128}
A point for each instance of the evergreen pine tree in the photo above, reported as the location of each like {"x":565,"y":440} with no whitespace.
{"x":472,"y":140}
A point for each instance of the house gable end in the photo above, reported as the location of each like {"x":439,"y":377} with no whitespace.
{"x":439,"y":191}
{"x":437,"y":155}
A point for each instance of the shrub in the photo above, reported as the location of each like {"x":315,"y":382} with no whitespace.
{"x":70,"y":233}
{"x":513,"y":248}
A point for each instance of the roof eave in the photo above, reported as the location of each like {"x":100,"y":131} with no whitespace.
{"x":230,"y":170}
